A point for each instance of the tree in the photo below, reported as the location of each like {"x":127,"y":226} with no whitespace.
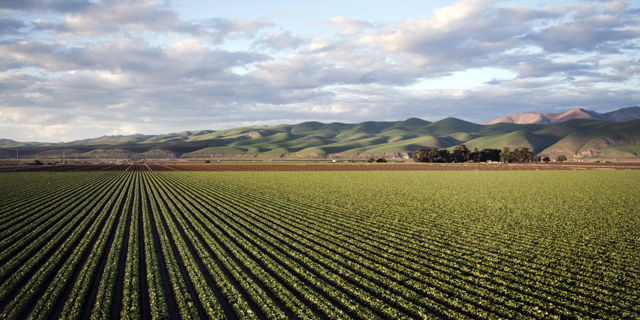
{"x":505,"y":155}
{"x":433,"y":155}
{"x":521,"y":154}
{"x":381,"y":160}
{"x":536,"y":159}
{"x":460,"y":153}
{"x":420,"y":155}
{"x":476,"y":155}
{"x":490,"y":155}
{"x":546,"y":159}
{"x":561,"y":158}
{"x":371,"y":160}
{"x":444,"y":156}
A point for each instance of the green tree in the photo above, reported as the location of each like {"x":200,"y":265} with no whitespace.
{"x":521,"y":154}
{"x":381,"y":160}
{"x":460,"y":153}
{"x":433,"y":155}
{"x":476,"y":155}
{"x":490,"y":155}
{"x":420,"y":155}
{"x":444,"y":156}
{"x":505,"y":156}
{"x":546,"y":159}
{"x":536,"y":159}
{"x":561,"y":158}
{"x":372,"y":160}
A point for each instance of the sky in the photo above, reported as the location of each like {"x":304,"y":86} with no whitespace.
{"x":73,"y":70}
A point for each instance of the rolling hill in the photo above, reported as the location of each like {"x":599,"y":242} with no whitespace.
{"x":578,"y":138}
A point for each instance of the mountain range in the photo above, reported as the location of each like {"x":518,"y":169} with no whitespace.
{"x":620,"y":115}
{"x":579,"y":137}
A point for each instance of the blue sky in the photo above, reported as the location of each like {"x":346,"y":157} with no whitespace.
{"x":79,"y":69}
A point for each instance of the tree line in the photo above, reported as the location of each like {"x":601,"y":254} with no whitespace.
{"x":461,"y":154}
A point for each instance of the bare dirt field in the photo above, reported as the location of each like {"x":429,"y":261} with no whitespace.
{"x":306,"y":166}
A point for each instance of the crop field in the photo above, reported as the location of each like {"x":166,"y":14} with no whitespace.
{"x":320,"y":245}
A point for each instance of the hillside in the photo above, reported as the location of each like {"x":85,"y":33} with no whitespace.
{"x":620,"y":115}
{"x":582,"y":138}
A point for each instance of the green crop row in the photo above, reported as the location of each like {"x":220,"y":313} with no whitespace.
{"x":205,"y":294}
{"x":131,"y":299}
{"x":57,"y":269}
{"x":76,"y":301}
{"x":320,"y":245}
{"x":20,"y":266}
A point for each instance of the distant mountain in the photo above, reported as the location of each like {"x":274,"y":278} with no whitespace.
{"x":581,"y":138}
{"x":621,"y":115}
{"x":8,"y":143}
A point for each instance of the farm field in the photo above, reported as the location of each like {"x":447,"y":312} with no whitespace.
{"x":143,"y":243}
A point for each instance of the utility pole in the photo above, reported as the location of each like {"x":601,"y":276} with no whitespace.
{"x":46,"y":156}
{"x":62,"y":156}
{"x":76,"y":157}
{"x":17,"y":157}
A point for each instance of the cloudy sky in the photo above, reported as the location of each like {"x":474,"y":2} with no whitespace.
{"x":79,"y":69}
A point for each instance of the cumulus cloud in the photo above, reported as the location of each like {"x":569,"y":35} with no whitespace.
{"x":221,"y":28}
{"x":138,"y":66}
{"x":535,"y":68}
{"x":188,"y":58}
{"x":349,"y":26}
{"x":32,"y":116}
{"x":125,"y":129}
{"x":279,"y":41}
{"x":11,"y":26}
{"x":469,"y":32}
{"x":94,"y":19}
{"x":623,"y":70}
{"x":45,"y":5}
{"x":586,"y":34}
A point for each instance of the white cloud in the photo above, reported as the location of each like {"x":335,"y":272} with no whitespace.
{"x":137,"y":66}
{"x":31,"y":116}
{"x":279,"y":41}
{"x":125,"y":129}
{"x":349,"y":26}
{"x":615,"y":6}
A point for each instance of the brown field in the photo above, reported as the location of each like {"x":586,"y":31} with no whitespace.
{"x":155,"y":166}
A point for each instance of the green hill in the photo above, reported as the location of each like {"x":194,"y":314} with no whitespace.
{"x":520,"y":138}
{"x":573,"y":138}
{"x":607,"y":139}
